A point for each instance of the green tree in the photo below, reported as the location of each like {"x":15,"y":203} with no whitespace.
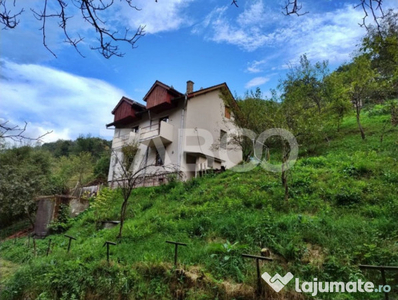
{"x":24,"y":174}
{"x":303,"y":94}
{"x":73,"y":171}
{"x":305,"y":83}
{"x":101,"y":168}
{"x":250,"y":112}
{"x":361,"y":82}
{"x":338,"y":102}
{"x":381,"y":44}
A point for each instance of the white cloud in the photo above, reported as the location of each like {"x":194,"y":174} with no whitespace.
{"x":252,"y":15}
{"x":258,"y":66}
{"x":245,"y":33}
{"x":53,"y":100}
{"x":165,"y":15}
{"x":257,"y":81}
{"x":329,"y":35}
{"x":255,"y":66}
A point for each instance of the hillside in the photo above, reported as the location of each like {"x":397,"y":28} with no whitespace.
{"x":342,"y":212}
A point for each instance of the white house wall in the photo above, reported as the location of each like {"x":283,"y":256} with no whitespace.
{"x":203,"y":119}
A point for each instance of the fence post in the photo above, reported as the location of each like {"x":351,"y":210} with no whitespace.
{"x":382,"y":269}
{"x":107,"y":243}
{"x":176,"y":250}
{"x":258,"y":258}
{"x":70,"y":240}
{"x":49,"y":245}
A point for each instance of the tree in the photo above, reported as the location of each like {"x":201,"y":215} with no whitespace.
{"x":338,"y":102}
{"x":250,"y":112}
{"x":94,"y":13}
{"x":16,"y":133}
{"x":256,"y":117}
{"x":101,"y":168}
{"x":306,"y":82}
{"x":91,"y":11}
{"x":381,"y":44}
{"x":133,"y":170}
{"x":71,"y":172}
{"x":304,"y":99}
{"x":24,"y":173}
{"x":361,"y":82}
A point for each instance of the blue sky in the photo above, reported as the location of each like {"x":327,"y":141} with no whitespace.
{"x":208,"y":42}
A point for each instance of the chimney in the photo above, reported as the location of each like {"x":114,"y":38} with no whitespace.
{"x":189,"y":86}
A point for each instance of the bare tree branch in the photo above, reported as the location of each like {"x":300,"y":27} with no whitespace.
{"x":16,"y":133}
{"x":90,"y":12}
{"x":8,"y":19}
{"x":109,"y":39}
{"x":372,"y":8}
{"x":292,"y":7}
{"x":133,"y":173}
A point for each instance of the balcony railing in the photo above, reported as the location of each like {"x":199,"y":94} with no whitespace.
{"x":162,"y":131}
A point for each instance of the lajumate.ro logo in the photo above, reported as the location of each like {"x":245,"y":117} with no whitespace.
{"x":277,"y":283}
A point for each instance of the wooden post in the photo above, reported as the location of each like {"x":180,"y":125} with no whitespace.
{"x":176,"y":250}
{"x":382,"y":269}
{"x":107,"y":243}
{"x":70,"y":240}
{"x":258,"y":258}
{"x":34,"y":247}
{"x":48,"y":248}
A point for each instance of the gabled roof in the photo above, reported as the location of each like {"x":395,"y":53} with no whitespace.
{"x":170,"y":89}
{"x":129,"y":101}
{"x":209,"y":89}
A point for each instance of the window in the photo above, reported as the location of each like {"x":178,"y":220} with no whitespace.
{"x":227,"y":113}
{"x":210,"y":162}
{"x":223,"y":139}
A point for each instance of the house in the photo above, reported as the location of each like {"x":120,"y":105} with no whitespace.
{"x":190,"y":131}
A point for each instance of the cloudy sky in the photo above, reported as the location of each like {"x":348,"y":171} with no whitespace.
{"x":207,"y":41}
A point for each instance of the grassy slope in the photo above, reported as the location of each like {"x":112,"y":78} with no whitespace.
{"x":343,"y":211}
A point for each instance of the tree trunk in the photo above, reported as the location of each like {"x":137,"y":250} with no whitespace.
{"x":358,"y":110}
{"x":284,"y":171}
{"x":122,"y":216}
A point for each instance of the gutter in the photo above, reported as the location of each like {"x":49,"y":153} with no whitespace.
{"x":181,"y":133}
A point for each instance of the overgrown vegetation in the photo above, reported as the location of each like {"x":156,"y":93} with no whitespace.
{"x":342,"y":213}
{"x":54,"y":168}
{"x":336,"y":208}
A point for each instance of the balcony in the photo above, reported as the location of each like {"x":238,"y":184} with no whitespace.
{"x":161,"y":132}
{"x":124,"y":139}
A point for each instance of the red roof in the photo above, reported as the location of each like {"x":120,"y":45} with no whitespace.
{"x":129,"y":101}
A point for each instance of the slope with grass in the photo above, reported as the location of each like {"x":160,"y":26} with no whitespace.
{"x":342,"y":212}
